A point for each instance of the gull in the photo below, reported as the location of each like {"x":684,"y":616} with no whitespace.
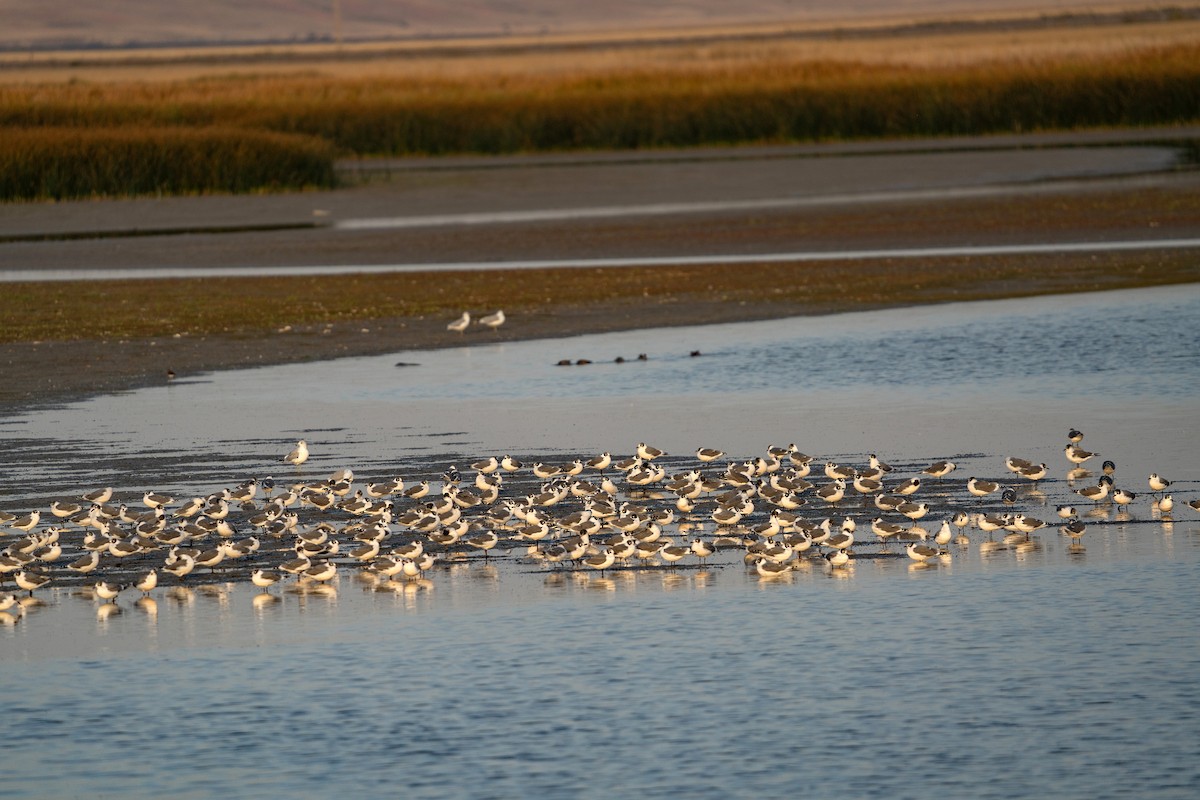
{"x":1094,"y":493}
{"x":940,"y":469}
{"x":980,"y":487}
{"x":673,"y":553}
{"x":707,"y":454}
{"x":944,"y":534}
{"x":908,"y":487}
{"x":544,"y":471}
{"x":263,"y":579}
{"x":701,"y":548}
{"x":459,"y":325}
{"x":1194,"y":504}
{"x":386,"y":566}
{"x":838,"y":558}
{"x":493,"y":321}
{"x":727,"y":516}
{"x":510,"y":464}
{"x":50,"y":552}
{"x":990,"y":523}
{"x":63,"y":510}
{"x":867,"y":485}
{"x":875,"y":463}
{"x":244,"y":493}
{"x":1075,"y":529}
{"x":1066,"y":512}
{"x":602,"y":560}
{"x":484,"y":541}
{"x":885,"y":530}
{"x":1158,"y":483}
{"x":1075,"y":436}
{"x":887,"y":502}
{"x":296,"y":565}
{"x":417,"y":491}
{"x":217,"y":511}
{"x":100,"y":496}
{"x":1016,"y":465}
{"x":836,"y":471}
{"x":1034,"y":472}
{"x":27,"y":522}
{"x":1123,"y":497}
{"x":1026,"y":524}
{"x":181,"y":565}
{"x":155,"y":500}
{"x":913,"y":511}
{"x":389,"y":487}
{"x":147,"y":582}
{"x":189,"y":509}
{"x":322,"y":572}
{"x":410,"y":568}
{"x":486,"y":466}
{"x":840,"y":540}
{"x":921,"y":552}
{"x":85,"y":564}
{"x":210,"y":558}
{"x":833,"y":492}
{"x":31,"y":580}
{"x":299,"y":455}
{"x":106,"y":591}
{"x":769,"y":569}
{"x":1077,"y":455}
{"x":600,"y":462}
{"x":648,"y":453}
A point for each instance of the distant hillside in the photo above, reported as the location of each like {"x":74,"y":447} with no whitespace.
{"x":45,"y":24}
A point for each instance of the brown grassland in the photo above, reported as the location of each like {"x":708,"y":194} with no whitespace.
{"x":62,"y":339}
{"x":572,"y":94}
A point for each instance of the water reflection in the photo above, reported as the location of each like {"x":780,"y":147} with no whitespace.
{"x":502,"y":614}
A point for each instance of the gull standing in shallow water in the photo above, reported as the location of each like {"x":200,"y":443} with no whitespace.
{"x":299,"y":455}
{"x":980,"y":487}
{"x":493,"y":321}
{"x":1158,"y":483}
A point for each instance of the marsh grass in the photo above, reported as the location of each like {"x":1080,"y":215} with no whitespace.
{"x":68,"y":162}
{"x":228,"y":133}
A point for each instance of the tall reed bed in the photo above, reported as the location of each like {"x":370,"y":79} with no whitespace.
{"x":58,"y":162}
{"x":640,"y":106}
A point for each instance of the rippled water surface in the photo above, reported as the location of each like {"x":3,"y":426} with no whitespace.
{"x":1012,"y":668}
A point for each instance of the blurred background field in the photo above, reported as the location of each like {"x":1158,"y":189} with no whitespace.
{"x":270,"y":116}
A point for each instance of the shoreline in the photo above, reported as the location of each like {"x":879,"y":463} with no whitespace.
{"x":68,"y":340}
{"x":42,"y":374}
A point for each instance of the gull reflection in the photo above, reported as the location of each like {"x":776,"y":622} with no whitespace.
{"x":147,"y":605}
{"x":263,"y":601}
{"x":107,"y":611}
{"x":182,"y":596}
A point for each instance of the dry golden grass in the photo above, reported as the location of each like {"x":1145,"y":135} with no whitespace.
{"x":582,"y":54}
{"x":588,"y":94}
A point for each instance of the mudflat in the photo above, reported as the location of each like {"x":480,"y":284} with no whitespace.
{"x":64,"y":339}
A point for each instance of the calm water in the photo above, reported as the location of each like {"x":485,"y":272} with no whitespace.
{"x":1012,"y":670}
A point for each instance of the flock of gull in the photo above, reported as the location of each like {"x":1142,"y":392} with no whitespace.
{"x":774,"y":513}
